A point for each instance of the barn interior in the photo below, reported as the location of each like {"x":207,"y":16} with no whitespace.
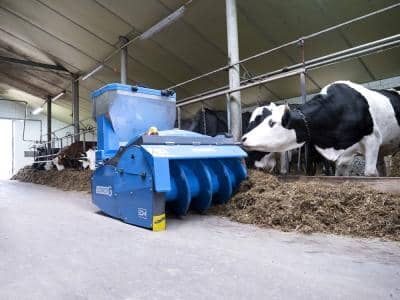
{"x":209,"y":55}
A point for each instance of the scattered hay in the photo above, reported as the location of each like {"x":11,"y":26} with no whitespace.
{"x":348,"y":208}
{"x":395,"y":165}
{"x":67,"y":180}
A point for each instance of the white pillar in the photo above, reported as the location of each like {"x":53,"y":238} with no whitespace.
{"x":234,"y":105}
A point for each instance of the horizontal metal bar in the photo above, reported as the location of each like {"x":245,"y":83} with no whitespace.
{"x":359,"y":53}
{"x":364,"y":49}
{"x":242,"y":87}
{"x":293,"y":42}
{"x":67,"y":137}
{"x":332,"y":55}
{"x":33,"y":64}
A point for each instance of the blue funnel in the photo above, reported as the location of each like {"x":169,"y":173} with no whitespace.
{"x":125,"y":112}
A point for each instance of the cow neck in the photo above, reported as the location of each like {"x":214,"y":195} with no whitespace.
{"x":306,"y":124}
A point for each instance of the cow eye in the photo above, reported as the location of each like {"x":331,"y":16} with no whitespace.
{"x":271,"y":123}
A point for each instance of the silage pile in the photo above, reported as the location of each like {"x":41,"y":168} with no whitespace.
{"x":67,"y":180}
{"x":307,"y":207}
{"x":395,"y":165}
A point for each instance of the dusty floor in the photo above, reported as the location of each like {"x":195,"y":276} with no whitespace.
{"x":53,"y":245}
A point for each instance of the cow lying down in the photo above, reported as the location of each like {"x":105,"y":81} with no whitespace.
{"x":343,"y":120}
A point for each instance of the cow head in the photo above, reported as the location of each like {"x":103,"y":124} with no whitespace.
{"x":275,"y":132}
{"x":258,"y":115}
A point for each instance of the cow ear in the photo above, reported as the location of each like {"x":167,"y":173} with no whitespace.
{"x":286,"y":117}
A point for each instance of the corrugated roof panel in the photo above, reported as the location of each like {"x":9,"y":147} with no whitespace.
{"x":93,"y":17}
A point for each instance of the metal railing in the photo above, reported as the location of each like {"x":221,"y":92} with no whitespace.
{"x":290,"y":43}
{"x":358,"y":51}
{"x":62,"y":142}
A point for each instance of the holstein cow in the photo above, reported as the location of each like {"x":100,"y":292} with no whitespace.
{"x":259,"y":159}
{"x":73,"y":156}
{"x":343,"y":120}
{"x":269,"y":160}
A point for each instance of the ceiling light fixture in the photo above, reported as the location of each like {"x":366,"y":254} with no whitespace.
{"x":163,"y":23}
{"x":98,"y":68}
{"x":37,"y":110}
{"x":58,"y":96}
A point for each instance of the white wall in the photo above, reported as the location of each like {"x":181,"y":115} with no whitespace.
{"x":6,"y":149}
{"x":15,"y":110}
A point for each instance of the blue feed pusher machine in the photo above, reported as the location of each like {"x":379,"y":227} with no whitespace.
{"x":145,"y":165}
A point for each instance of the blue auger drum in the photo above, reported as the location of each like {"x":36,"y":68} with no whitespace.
{"x":144,"y":164}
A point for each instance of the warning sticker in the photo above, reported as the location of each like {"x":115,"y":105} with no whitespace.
{"x":159,"y":222}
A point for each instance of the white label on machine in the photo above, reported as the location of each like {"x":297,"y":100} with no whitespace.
{"x":142,"y":213}
{"x":104,"y":190}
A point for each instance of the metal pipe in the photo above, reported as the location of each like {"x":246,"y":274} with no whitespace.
{"x":124,"y":58}
{"x":48,"y":125}
{"x":293,"y":42}
{"x":359,"y":53}
{"x":242,"y":87}
{"x":303,"y":101}
{"x":228,"y":113}
{"x":75,"y":105}
{"x":69,"y":136}
{"x":320,"y":61}
{"x":179,"y":113}
{"x":24,"y":119}
{"x":235,"y":106}
{"x":21,"y":119}
{"x":303,"y":89}
{"x":364,"y":49}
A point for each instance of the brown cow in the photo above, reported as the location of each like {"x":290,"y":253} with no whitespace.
{"x":71,"y":156}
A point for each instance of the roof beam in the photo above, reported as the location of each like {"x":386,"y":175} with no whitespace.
{"x":33,"y":64}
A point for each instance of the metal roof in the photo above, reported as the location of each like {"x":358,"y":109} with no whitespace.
{"x":79,"y":34}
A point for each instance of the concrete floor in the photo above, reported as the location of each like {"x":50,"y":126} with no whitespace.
{"x":53,"y":245}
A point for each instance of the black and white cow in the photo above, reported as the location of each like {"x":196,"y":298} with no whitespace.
{"x":269,"y":160}
{"x":343,"y":120}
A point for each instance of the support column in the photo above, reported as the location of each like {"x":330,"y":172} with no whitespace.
{"x":179,"y":115}
{"x":303,"y":101}
{"x":75,"y":106}
{"x":234,"y":105}
{"x":49,"y":125}
{"x":124,"y":59}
